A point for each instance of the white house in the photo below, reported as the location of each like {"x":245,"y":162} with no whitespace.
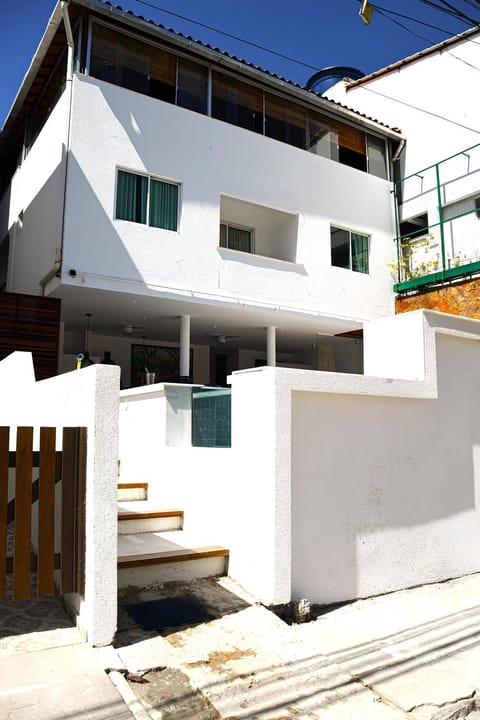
{"x":175,"y":197}
{"x":172,"y":195}
{"x":429,"y":96}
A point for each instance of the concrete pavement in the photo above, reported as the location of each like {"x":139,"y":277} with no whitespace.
{"x":412,"y":654}
{"x":56,"y":684}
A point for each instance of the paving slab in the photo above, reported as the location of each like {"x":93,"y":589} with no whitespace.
{"x":57,"y":684}
{"x":415,"y":647}
{"x":248,"y":666}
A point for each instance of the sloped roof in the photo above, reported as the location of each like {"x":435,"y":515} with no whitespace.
{"x":415,"y":57}
{"x":54,"y":40}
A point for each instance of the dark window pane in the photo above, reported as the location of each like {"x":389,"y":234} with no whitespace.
{"x":131,"y":197}
{"x":239,"y":239}
{"x":351,"y":147}
{"x":237,"y":103}
{"x":192,"y":86}
{"x":377,"y":156}
{"x":285,"y":121}
{"x":340,"y":247}
{"x":163,"y":75}
{"x":322,"y":139}
{"x":4,"y":251}
{"x":119,"y":59}
{"x":163,"y":205}
{"x":223,"y":235}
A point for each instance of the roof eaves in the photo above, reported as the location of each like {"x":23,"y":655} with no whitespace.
{"x":45,"y":42}
{"x":413,"y":58}
{"x":215,"y":54}
{"x":212,"y":54}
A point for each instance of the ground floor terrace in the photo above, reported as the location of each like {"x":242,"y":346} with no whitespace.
{"x":199,"y":340}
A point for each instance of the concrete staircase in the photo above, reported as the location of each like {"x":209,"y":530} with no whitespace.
{"x":153,"y":547}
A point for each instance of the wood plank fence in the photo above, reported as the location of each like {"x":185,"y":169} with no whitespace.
{"x":37,"y":554}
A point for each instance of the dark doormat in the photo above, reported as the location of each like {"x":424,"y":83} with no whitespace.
{"x":167,"y":613}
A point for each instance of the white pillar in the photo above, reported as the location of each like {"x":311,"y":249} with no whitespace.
{"x":271,"y":347}
{"x":184,"y":345}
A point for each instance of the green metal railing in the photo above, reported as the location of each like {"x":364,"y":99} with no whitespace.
{"x":446,"y":266}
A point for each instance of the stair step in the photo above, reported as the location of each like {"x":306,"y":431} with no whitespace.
{"x":140,"y":517}
{"x":132,"y":491}
{"x":148,"y":558}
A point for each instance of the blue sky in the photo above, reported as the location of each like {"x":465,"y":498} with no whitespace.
{"x":320,"y":33}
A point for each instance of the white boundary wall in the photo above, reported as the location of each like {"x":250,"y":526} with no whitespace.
{"x":87,"y":398}
{"x":337,"y":486}
{"x":359,"y":485}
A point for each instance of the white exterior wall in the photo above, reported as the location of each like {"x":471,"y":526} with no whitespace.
{"x":37,"y":191}
{"x":141,"y":134}
{"x":86,"y":398}
{"x":371,"y":478}
{"x":432,"y":102}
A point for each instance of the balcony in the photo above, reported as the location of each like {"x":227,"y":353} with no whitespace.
{"x":438,"y":222}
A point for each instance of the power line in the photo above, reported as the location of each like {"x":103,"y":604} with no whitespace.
{"x":459,"y":13}
{"x":450,"y":10}
{"x":385,"y":12}
{"x":381,"y":9}
{"x":420,"y":109}
{"x":229,"y":35}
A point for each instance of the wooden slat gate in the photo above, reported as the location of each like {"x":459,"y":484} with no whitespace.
{"x":37,"y":554}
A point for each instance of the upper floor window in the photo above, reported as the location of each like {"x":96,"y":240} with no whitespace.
{"x":143,"y":199}
{"x":236,"y":238}
{"x":349,"y":249}
{"x":122,"y":59}
{"x":237,"y":102}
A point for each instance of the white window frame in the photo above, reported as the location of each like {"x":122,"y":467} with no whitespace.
{"x":147,"y":211}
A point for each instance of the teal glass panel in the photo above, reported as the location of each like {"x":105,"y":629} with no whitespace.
{"x":359,"y":253}
{"x":131,"y":197}
{"x":163,"y":205}
{"x":211,"y":418}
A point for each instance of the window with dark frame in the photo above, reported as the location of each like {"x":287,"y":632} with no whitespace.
{"x":349,"y":250}
{"x":124,"y":60}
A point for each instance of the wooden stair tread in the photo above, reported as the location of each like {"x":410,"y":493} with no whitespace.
{"x":124,"y":514}
{"x":170,"y":556}
{"x":128,"y":485}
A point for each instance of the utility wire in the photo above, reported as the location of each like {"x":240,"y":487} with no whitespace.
{"x":452,"y":12}
{"x":404,"y":27}
{"x":382,"y":10}
{"x":460,"y":14}
{"x":385,"y":12}
{"x":420,"y":109}
{"x":229,"y":35}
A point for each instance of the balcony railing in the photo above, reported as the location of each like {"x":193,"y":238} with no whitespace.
{"x":448,"y":247}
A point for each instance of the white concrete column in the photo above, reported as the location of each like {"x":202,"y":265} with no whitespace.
{"x":271,"y":346}
{"x":185,"y":345}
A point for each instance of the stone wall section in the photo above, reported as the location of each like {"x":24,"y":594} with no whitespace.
{"x":461,"y":299}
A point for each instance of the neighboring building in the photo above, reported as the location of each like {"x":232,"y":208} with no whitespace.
{"x":429,"y":95}
{"x":188,"y":199}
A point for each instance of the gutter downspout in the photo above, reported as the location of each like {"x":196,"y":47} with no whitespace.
{"x":398,"y":151}
{"x":57,"y":265}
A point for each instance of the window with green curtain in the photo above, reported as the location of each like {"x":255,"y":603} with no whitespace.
{"x":131,"y":197}
{"x":236,"y":238}
{"x":163,"y":205}
{"x":349,"y":250}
